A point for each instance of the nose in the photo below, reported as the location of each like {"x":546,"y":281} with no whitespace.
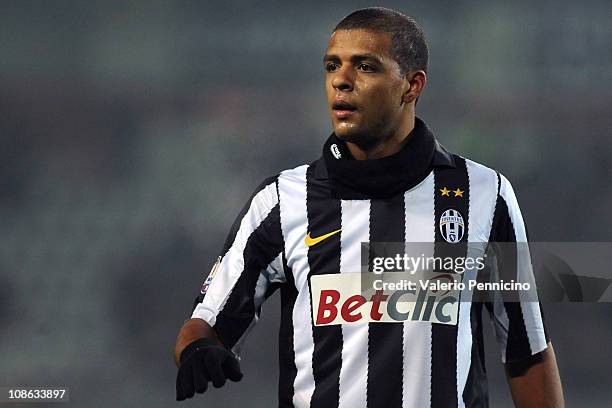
{"x":343,"y":80}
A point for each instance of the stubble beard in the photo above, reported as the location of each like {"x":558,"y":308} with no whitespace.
{"x":366,"y":138}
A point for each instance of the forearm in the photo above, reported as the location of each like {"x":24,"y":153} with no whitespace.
{"x":192,"y":330}
{"x":539,"y":384}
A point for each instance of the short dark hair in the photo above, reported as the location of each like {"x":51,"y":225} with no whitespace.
{"x":408,"y":44}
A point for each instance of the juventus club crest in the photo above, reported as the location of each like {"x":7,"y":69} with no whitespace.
{"x":452,"y":226}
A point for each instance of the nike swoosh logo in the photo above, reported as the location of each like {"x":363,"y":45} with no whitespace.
{"x":314,"y":241}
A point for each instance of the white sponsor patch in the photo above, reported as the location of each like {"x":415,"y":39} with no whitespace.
{"x":394,"y":297}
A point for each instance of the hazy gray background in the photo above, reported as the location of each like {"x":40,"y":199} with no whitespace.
{"x":131,"y":133}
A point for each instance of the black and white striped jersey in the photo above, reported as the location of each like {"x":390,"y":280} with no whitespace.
{"x":275,"y":243}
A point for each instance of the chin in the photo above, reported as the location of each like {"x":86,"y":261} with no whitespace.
{"x":348,"y":132}
{"x":353,"y":135}
{"x":349,"y":136}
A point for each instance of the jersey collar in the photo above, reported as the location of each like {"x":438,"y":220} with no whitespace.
{"x":385,"y":177}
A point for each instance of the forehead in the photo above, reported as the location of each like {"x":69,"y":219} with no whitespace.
{"x":359,"y":41}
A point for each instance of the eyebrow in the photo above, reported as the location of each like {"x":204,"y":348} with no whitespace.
{"x":354,"y":58}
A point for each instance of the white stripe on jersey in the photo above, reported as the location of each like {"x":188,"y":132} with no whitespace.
{"x":355,"y":229}
{"x":483,"y":181}
{"x":294,"y":223}
{"x":232,"y":264}
{"x":417,"y":335}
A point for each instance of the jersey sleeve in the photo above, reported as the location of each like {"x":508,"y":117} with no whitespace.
{"x":248,"y":269}
{"x":518,"y":320}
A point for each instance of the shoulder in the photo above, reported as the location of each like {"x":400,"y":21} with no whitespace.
{"x":295,"y":173}
{"x":292,"y":173}
{"x":482,"y":176}
{"x":491,"y":183}
{"x":267,"y":191}
{"x":480,"y":173}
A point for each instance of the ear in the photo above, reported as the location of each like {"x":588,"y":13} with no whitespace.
{"x":413,"y":85}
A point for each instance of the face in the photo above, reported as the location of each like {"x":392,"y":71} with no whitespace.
{"x":364,"y":86}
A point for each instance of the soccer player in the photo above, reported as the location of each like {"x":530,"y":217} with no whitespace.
{"x":382,"y":177}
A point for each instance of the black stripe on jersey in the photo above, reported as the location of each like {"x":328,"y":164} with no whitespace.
{"x":385,"y":340}
{"x":502,"y":230}
{"x":498,"y":183}
{"x":443,"y":336}
{"x":262,"y":247}
{"x":476,"y":393}
{"x":286,"y":353}
{"x":546,"y":334}
{"x":324,"y":216}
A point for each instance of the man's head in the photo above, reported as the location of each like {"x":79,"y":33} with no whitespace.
{"x":375,"y":63}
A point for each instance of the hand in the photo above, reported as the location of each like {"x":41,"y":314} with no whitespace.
{"x":203,"y":361}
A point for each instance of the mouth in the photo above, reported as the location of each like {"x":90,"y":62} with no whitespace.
{"x":343,"y":109}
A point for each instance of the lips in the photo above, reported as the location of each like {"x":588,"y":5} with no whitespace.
{"x":342,"y":109}
{"x":343,"y":105}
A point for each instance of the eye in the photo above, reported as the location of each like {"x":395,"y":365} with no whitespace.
{"x":331,"y":66}
{"x":365,"y":68}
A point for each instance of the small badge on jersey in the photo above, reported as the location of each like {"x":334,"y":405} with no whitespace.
{"x":210,"y":277}
{"x":452,"y":226}
{"x":335,"y":151}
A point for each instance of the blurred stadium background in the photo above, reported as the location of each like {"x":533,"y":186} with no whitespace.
{"x":131,"y":134}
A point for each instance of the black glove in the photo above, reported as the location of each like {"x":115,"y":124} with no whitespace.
{"x":203,"y":361}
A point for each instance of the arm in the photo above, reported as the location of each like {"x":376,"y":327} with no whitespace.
{"x":192,"y":330}
{"x":527,"y":354}
{"x":536,"y":382}
{"x":247,"y":271}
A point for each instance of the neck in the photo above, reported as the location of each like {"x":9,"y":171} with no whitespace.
{"x":387,"y":146}
{"x":383,"y":178}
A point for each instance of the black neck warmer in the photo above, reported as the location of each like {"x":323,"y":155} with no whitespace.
{"x":379,"y":178}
